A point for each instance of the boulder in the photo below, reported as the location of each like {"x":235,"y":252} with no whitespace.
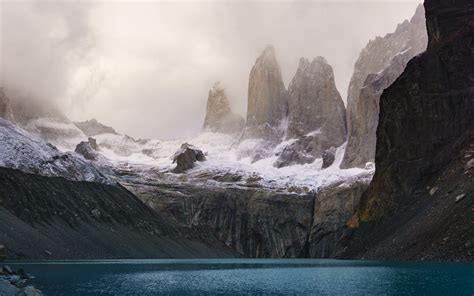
{"x":88,"y":149}
{"x":219,"y":116}
{"x":93,"y":143}
{"x":7,"y":289}
{"x":380,"y":63}
{"x":267,"y":99}
{"x":328,"y":157}
{"x":185,"y":158}
{"x":300,"y":151}
{"x":29,"y":291}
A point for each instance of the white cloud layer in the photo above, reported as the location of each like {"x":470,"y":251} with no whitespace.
{"x":145,"y":67}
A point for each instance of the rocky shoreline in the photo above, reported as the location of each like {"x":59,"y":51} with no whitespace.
{"x":16,"y":282}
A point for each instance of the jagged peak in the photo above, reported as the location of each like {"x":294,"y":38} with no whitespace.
{"x":268,"y":57}
{"x":419,"y":16}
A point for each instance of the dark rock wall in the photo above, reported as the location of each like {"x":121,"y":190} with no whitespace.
{"x":424,"y":138}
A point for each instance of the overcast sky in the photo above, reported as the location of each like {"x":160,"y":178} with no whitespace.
{"x":145,"y":67}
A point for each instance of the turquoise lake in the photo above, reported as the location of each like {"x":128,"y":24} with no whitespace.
{"x":249,"y":277}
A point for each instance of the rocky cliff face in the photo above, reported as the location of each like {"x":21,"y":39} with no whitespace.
{"x":267,"y":99}
{"x":422,"y":193}
{"x":316,"y":114}
{"x":379,"y":64}
{"x":219,"y":117}
{"x":256,"y":222}
{"x":5,"y":107}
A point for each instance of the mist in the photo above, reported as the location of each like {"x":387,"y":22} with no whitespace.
{"x":145,"y":68}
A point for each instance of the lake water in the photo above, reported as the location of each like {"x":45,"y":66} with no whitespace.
{"x":249,"y":276}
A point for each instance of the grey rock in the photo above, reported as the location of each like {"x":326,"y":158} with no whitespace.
{"x":6,"y":269}
{"x":469,"y":164}
{"x":7,"y":289}
{"x":315,"y":104}
{"x":316,"y":114}
{"x":267,"y":99}
{"x":219,"y":117}
{"x":328,"y":157}
{"x":5,"y":107}
{"x":29,"y":291}
{"x":300,"y":151}
{"x":93,"y":143}
{"x":380,"y":63}
{"x":93,"y":128}
{"x":96,"y":213}
{"x":460,"y":197}
{"x":87,"y":150}
{"x":185,"y":158}
{"x":433,"y":190}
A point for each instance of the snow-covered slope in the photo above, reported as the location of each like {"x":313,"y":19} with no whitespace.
{"x":25,"y":151}
{"x":226,"y":163}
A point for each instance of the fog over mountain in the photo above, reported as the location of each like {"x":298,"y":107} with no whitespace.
{"x":145,"y":68}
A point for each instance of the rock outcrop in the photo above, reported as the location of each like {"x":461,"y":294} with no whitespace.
{"x":267,"y":99}
{"x":88,"y":149}
{"x":379,"y":64}
{"x":185,"y":158}
{"x":316,"y":114}
{"x":425,"y":138}
{"x":5,"y":107}
{"x":219,"y":117}
{"x":93,"y":128}
{"x":15,"y":283}
{"x":329,"y":156}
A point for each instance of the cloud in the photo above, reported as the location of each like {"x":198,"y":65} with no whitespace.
{"x":146,"y":67}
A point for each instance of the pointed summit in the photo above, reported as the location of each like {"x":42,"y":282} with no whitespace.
{"x":314,"y":102}
{"x":267,"y":101}
{"x":219,"y":116}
